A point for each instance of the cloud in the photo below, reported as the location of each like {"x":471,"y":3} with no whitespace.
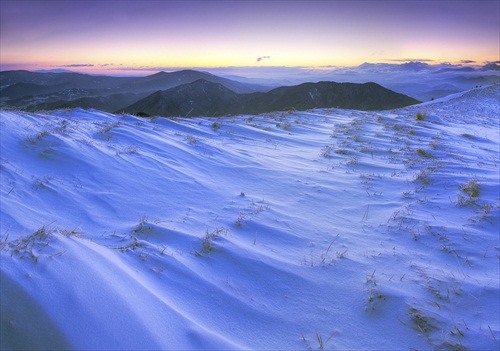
{"x":78,"y":65}
{"x":467,"y":61}
{"x":493,"y":66}
{"x":263,"y":58}
{"x":410,"y":60}
{"x":378,"y":53}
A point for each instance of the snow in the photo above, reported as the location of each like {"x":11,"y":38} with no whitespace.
{"x":326,"y":228}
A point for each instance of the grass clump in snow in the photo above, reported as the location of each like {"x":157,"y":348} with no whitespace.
{"x":421,"y":116}
{"x":353,"y":161}
{"x":422,"y":177}
{"x":286,"y":126}
{"x":250,"y":212}
{"x":429,"y":327}
{"x":471,"y":189}
{"x":326,"y":152}
{"x":216,"y":126}
{"x":484,"y":212}
{"x":423,"y":153}
{"x":130,"y":246}
{"x":325,"y":254}
{"x":469,"y":136}
{"x":30,"y":245}
{"x":207,"y":243}
{"x":142,"y":226}
{"x":191,"y":139}
{"x":129,"y":150}
{"x":422,"y":323}
{"x":342,"y":152}
{"x":319,"y":339}
{"x":239,"y":221}
{"x":41,"y":183}
{"x":62,"y":128}
{"x":33,"y":139}
{"x":374,"y":293}
{"x":73,"y":232}
{"x":109,"y":126}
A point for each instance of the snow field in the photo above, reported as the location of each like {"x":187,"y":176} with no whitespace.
{"x":331,"y":229}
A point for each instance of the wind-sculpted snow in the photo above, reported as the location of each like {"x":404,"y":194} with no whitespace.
{"x":334,"y":229}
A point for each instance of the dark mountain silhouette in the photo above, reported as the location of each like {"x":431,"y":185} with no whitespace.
{"x":103,"y":103}
{"x":19,"y":90}
{"x":63,"y":80}
{"x":204,"y":98}
{"x":164,"y":81}
{"x":367,"y":96}
{"x":36,"y":91}
{"x":195,"y":99}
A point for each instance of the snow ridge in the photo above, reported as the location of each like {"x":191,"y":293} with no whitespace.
{"x":335,"y":229}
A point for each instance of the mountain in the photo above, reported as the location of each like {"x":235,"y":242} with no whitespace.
{"x":36,"y":91}
{"x":22,"y":89}
{"x":65,"y":80}
{"x":164,"y":81}
{"x":183,"y":93}
{"x":204,"y":98}
{"x":367,"y":96}
{"x":195,"y":99}
{"x":103,"y":103}
{"x":55,"y":70}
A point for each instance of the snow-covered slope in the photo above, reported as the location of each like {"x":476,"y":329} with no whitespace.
{"x":325,"y":229}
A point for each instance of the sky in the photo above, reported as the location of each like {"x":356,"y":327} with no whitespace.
{"x":128,"y":36}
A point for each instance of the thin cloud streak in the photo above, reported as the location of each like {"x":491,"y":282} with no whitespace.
{"x":78,"y":65}
{"x":259,"y":59}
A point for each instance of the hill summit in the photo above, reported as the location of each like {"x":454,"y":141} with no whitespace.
{"x":205,"y":98}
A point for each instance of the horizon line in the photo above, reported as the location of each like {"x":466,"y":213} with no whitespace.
{"x":111,"y":69}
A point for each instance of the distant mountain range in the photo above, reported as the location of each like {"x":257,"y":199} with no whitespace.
{"x":48,"y":91}
{"x":183,"y":93}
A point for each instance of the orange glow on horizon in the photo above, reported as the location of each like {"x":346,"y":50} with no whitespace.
{"x":145,"y":35}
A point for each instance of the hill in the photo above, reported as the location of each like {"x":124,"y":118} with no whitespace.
{"x":326,"y":229}
{"x":204,"y":98}
{"x":200,"y":98}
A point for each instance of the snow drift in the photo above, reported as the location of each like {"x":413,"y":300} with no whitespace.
{"x":334,"y":229}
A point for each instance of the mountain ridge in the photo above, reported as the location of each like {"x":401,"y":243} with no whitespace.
{"x":184,"y":93}
{"x":204,"y":98}
{"x":34,"y":91}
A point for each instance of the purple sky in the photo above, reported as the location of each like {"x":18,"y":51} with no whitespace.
{"x":106,"y":36}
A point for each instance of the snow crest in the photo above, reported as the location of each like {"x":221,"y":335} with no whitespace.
{"x":329,"y":228}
